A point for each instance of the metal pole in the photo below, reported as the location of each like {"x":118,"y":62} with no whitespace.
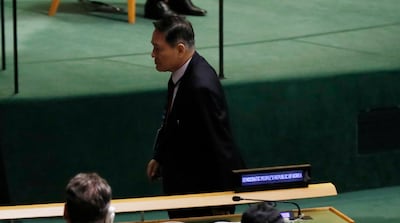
{"x":3,"y":40}
{"x":16,"y":87}
{"x":221,"y":39}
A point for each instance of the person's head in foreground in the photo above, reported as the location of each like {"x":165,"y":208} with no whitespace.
{"x":262,"y":213}
{"x":88,"y":199}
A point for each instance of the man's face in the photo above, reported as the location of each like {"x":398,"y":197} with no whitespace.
{"x":165,"y":57}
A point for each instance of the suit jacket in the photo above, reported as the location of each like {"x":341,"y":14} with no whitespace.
{"x":195,"y":147}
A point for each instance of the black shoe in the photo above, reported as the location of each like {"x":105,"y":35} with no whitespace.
{"x":157,"y":10}
{"x":186,"y":7}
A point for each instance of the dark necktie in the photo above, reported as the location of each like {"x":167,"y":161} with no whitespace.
{"x":171,"y":87}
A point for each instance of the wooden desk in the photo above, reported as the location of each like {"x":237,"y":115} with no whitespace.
{"x":219,"y":198}
{"x":318,"y":215}
{"x":173,"y":202}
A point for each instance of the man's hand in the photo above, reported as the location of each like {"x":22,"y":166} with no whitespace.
{"x":152,"y":168}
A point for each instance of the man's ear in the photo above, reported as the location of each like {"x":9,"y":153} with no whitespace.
{"x":66,"y":215}
{"x":181,"y":48}
{"x":110,"y":215}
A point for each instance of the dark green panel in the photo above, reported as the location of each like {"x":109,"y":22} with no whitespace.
{"x":45,"y":142}
{"x":315,"y":121}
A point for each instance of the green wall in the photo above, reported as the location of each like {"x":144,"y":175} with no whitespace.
{"x":315,"y":121}
{"x":45,"y":142}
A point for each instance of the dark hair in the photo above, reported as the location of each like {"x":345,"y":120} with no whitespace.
{"x":176,"y":29}
{"x":87,"y":198}
{"x":262,"y":213}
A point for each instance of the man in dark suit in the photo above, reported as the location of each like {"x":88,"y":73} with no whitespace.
{"x":194,"y":150}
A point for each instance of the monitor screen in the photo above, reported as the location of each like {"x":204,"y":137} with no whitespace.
{"x":272,"y":177}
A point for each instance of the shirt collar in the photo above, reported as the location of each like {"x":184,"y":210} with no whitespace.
{"x":177,"y":75}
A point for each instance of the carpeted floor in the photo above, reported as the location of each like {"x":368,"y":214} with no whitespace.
{"x":81,"y":53}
